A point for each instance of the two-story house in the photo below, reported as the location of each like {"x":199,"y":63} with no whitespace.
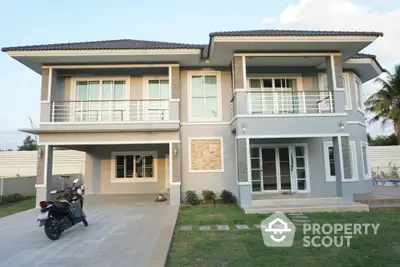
{"x":265,"y":114}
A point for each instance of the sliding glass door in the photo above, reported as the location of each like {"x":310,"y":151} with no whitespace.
{"x":278,"y":169}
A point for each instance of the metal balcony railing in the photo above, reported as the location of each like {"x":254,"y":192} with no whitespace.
{"x":87,"y":111}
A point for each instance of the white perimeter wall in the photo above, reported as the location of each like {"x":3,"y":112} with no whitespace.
{"x":23,"y":163}
{"x":381,"y":156}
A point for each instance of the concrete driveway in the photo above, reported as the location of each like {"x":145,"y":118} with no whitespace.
{"x":123,"y":231}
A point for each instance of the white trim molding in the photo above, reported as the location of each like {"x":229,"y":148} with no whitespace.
{"x":114,"y":179}
{"x":354,"y":165}
{"x":288,"y":54}
{"x":356,"y":123}
{"x":127,"y":142}
{"x":290,"y":135}
{"x":294,"y":39}
{"x":189,"y":76}
{"x":105,"y":52}
{"x":221,"y":139}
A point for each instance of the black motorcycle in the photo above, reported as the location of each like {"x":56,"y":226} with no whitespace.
{"x":65,"y":212}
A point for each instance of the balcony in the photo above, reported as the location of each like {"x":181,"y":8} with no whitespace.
{"x":133,"y":114}
{"x":287,"y":102}
{"x":277,"y":112}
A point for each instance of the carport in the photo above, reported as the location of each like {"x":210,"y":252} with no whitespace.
{"x":124,"y":230}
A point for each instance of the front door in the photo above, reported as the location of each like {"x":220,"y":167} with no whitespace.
{"x":278,"y":169}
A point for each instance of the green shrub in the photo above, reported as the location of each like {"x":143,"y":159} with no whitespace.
{"x":192,"y":198}
{"x":11,"y":198}
{"x":227,"y":197}
{"x":209,"y":196}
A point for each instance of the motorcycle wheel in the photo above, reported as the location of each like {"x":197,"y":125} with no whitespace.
{"x":51,"y":232}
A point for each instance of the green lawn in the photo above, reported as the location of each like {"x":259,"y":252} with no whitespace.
{"x":246,"y":247}
{"x":25,"y":204}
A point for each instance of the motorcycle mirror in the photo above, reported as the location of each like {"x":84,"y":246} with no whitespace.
{"x":52,"y":192}
{"x":76,"y":180}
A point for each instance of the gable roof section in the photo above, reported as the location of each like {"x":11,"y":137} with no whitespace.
{"x":105,"y":45}
{"x":293,"y":33}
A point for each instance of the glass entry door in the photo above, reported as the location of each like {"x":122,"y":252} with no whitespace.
{"x":278,"y":169}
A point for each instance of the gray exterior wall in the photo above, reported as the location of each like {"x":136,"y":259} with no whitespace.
{"x":98,"y":174}
{"x":319,"y":187}
{"x":216,"y":181}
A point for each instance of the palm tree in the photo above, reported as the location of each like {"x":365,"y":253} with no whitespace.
{"x":385,"y":104}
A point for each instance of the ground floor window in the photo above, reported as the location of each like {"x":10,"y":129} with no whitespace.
{"x":364,"y":155}
{"x":330,"y":172}
{"x":134,"y":166}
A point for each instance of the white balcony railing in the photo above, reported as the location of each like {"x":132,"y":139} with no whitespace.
{"x":283,"y":102}
{"x":110,"y":111}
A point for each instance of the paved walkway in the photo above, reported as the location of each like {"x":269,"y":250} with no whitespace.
{"x":297,"y":218}
{"x":123,"y":231}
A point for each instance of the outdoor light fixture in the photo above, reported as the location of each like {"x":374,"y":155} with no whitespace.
{"x":243,"y":126}
{"x":341,"y":125}
{"x":175,"y":151}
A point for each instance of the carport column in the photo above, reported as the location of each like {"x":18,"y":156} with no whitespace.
{"x":335,"y":81}
{"x":243,"y":171}
{"x":175,"y":173}
{"x":339,"y":169}
{"x":44,"y":172}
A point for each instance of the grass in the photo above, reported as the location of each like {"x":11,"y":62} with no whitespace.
{"x":246,"y":247}
{"x":24,"y":204}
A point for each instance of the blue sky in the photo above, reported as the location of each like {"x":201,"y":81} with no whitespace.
{"x":40,"y":22}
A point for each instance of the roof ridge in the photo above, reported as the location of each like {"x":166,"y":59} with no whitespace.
{"x":101,"y":41}
{"x":295,"y":31}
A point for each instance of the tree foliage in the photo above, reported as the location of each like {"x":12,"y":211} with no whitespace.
{"x":383,"y":140}
{"x":385,"y":103}
{"x":28,"y":144}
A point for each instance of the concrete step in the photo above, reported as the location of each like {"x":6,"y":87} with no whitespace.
{"x":374,"y":201}
{"x":385,"y":206}
{"x":301,"y":207}
{"x":290,"y":201}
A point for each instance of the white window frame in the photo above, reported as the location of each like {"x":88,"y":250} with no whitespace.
{"x":358,"y":80}
{"x":299,"y":84}
{"x":74,"y":81}
{"x":346,"y":86}
{"x":114,"y":179}
{"x":353,"y":154}
{"x":368,"y":175}
{"x":219,"y":95}
{"x":221,"y":139}
{"x":146,"y":80}
{"x":347,"y":91}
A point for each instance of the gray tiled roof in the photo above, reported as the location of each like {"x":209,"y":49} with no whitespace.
{"x":294,"y":33}
{"x":108,"y":45}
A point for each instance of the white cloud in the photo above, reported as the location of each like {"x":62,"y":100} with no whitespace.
{"x":346,"y":15}
{"x":268,"y":20}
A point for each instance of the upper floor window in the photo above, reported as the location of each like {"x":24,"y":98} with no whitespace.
{"x":157,"y":107}
{"x":359,"y":94}
{"x":204,"y":97}
{"x":323,"y":86}
{"x":100,"y":90}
